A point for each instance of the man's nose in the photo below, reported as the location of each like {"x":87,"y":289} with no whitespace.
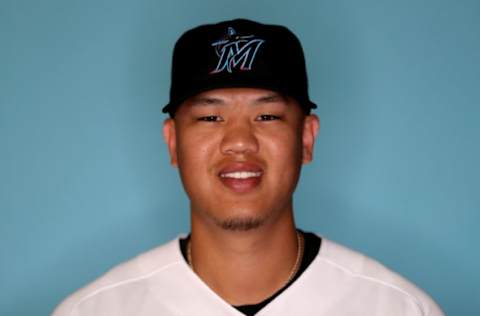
{"x":239,"y":138}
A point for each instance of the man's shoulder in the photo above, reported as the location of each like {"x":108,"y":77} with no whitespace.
{"x":130,"y":273}
{"x":367,"y":273}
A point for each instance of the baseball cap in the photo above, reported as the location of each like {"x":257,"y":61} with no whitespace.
{"x":238,"y":53}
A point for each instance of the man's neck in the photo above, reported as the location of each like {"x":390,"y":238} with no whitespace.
{"x":245,"y":267}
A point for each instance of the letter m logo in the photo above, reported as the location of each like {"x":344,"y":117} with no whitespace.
{"x":236,"y":54}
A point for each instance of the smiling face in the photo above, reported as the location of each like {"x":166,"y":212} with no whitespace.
{"x":239,"y":152}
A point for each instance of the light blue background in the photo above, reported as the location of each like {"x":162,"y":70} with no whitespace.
{"x":85,"y":180}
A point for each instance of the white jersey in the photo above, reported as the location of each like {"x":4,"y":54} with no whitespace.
{"x":338,"y":282}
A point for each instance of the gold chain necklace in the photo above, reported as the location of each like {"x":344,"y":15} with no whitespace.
{"x":293,"y":272}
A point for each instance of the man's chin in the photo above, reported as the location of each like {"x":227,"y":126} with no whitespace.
{"x":241,"y":224}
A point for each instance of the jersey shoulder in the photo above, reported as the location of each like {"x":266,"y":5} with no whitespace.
{"x":123,"y":275}
{"x":368,"y":271}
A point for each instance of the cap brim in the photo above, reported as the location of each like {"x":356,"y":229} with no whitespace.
{"x":174,"y":104}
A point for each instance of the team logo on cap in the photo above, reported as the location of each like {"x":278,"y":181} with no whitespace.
{"x":236,"y":51}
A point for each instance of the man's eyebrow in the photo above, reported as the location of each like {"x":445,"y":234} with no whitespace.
{"x":202,"y":100}
{"x":212,"y":100}
{"x":271,"y":98}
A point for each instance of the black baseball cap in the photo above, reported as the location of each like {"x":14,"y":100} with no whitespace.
{"x":238,"y":53}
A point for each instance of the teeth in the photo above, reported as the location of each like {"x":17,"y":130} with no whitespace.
{"x":241,"y":174}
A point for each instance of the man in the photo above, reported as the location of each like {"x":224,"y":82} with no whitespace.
{"x":239,"y":131}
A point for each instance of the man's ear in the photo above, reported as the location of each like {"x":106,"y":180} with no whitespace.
{"x":311,"y":126}
{"x":170,"y":137}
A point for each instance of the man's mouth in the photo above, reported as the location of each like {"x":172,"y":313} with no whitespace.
{"x":241,"y":177}
{"x":240,"y":174}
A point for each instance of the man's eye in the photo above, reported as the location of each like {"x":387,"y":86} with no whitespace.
{"x":210,"y":118}
{"x":267,"y":117}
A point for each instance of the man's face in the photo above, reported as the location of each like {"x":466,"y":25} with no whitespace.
{"x":239,"y":152}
